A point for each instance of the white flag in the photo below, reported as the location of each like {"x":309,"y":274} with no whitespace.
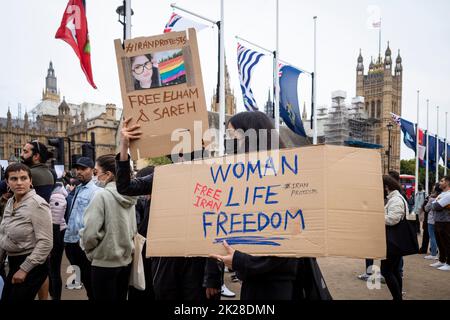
{"x":179,"y":23}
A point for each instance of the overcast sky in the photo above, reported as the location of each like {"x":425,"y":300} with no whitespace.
{"x":419,"y":28}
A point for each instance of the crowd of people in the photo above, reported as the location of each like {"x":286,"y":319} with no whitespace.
{"x":399,"y":207}
{"x":94,"y":214}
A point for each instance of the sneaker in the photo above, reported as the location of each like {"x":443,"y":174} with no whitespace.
{"x":431,"y":257}
{"x":364,"y":276}
{"x":74,"y":286}
{"x":234,"y":278}
{"x":225,"y":292}
{"x":226,"y":269}
{"x":437,"y":264}
{"x":445,"y":267}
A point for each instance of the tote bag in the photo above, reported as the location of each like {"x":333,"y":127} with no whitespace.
{"x":137,"y":275}
{"x":401,"y":239}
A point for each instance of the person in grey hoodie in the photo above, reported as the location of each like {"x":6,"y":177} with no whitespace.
{"x":108,"y":235}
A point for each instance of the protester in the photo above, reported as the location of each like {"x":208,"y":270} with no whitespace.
{"x":174,"y":278}
{"x":58,"y":205}
{"x":396,"y":210}
{"x":145,"y":72}
{"x":108,"y":235}
{"x":263,"y":278}
{"x":25,"y":236}
{"x":83,"y":196}
{"x":419,"y":199}
{"x":430,"y":224}
{"x":142,"y":216}
{"x":441,"y":207}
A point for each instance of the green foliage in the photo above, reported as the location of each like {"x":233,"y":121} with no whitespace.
{"x":409,"y":167}
{"x":160,"y":161}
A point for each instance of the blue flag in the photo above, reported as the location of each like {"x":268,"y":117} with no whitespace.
{"x":442,"y":150}
{"x":409,"y":133}
{"x":289,"y":108}
{"x":432,"y":151}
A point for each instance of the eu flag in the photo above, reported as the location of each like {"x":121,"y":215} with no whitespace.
{"x":289,"y":108}
{"x":409,"y":133}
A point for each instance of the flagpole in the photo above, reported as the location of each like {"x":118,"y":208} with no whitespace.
{"x":277,"y":79}
{"x":272,"y":52}
{"x":445,"y":146}
{"x":437,"y":147}
{"x":315,"y":84}
{"x":173,"y":5}
{"x":428,"y":148}
{"x":416,"y":187}
{"x":222,"y":81}
{"x":127,"y":19}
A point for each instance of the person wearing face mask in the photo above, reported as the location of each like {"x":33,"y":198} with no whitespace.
{"x":107,"y":238}
{"x":268,"y":277}
{"x":83,"y":196}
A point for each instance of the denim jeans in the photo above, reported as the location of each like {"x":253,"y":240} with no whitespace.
{"x":433,"y":243}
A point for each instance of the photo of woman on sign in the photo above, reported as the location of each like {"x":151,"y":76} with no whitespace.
{"x":145,"y":72}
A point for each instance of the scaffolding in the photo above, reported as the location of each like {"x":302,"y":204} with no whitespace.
{"x":348,"y":123}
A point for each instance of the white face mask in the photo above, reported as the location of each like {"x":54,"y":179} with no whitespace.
{"x":100,"y":184}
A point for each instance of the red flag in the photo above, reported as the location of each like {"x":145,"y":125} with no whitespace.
{"x":74,"y":31}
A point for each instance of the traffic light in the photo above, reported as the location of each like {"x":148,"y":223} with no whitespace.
{"x":87,"y":150}
{"x":58,"y":143}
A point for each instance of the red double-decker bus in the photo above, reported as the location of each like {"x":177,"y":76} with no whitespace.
{"x":408,"y":183}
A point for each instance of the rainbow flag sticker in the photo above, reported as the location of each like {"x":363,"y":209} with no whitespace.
{"x":171,"y":70}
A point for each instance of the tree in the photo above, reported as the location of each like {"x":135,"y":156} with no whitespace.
{"x":409,"y":167}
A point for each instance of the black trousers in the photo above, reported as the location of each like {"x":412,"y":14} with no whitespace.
{"x":27,"y":290}
{"x":264,"y":289}
{"x":148,"y":294}
{"x":442,"y":230}
{"x":179,"y":278}
{"x":55,"y":263}
{"x":77,"y":257}
{"x":110,"y":284}
{"x":390,"y":270}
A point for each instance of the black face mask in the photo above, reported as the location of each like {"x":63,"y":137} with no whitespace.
{"x":231,"y":146}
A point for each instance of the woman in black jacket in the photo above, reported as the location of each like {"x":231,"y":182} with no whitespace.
{"x":268,"y":278}
{"x":174,"y":278}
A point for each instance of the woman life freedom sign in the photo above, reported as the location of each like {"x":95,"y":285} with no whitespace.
{"x":305,"y":202}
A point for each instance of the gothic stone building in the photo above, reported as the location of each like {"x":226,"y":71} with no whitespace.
{"x":382,"y":90}
{"x":53,"y":118}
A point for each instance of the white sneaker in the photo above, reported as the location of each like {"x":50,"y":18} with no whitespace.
{"x":226,"y":269}
{"x":227,"y":293}
{"x":431,"y":257}
{"x":437,"y":264}
{"x":445,"y":267}
{"x":74,"y":286}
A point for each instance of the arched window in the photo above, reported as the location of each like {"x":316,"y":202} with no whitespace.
{"x":372,"y":111}
{"x":378,"y":109}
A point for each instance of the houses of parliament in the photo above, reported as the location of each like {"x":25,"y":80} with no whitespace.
{"x":381,"y":88}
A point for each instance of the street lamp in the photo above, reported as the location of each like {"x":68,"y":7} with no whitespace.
{"x":389,"y":127}
{"x":122,"y":14}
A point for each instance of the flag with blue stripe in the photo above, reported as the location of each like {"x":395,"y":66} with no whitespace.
{"x":247,"y":60}
{"x":289,"y":107}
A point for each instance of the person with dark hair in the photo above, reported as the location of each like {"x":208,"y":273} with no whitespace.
{"x":25,"y":236}
{"x":35,"y":154}
{"x":145,"y":73}
{"x":174,"y":278}
{"x":58,"y":204}
{"x":396,"y":210}
{"x":268,"y":278}
{"x":142,"y":217}
{"x":441,"y":207}
{"x":77,"y":207}
{"x":108,"y":235}
{"x":430,"y":224}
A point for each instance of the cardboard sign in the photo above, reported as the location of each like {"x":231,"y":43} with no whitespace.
{"x":162,"y":90}
{"x":304,"y":202}
{"x":4,"y":164}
